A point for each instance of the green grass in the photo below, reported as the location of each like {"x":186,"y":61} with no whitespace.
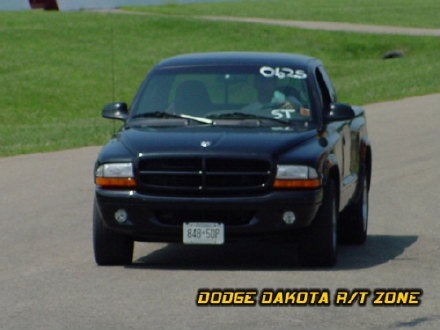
{"x":409,"y":13}
{"x":55,"y":68}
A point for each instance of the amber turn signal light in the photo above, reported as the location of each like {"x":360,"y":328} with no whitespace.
{"x":297,"y":183}
{"x":116,"y":182}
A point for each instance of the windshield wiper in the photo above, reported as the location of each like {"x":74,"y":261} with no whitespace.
{"x":243,"y":115}
{"x":163,"y":114}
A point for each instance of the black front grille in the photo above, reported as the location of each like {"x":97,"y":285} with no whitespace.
{"x":204,"y":175}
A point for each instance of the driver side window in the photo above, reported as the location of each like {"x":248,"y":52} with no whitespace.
{"x":325,"y":92}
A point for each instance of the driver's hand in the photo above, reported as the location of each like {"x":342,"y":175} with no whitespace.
{"x":304,"y":112}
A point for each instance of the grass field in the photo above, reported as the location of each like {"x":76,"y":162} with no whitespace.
{"x":409,"y":13}
{"x":55,"y":68}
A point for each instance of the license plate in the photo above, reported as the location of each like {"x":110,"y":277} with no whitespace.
{"x":203,"y":233}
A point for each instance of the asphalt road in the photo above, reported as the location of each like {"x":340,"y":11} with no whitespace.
{"x":329,"y":26}
{"x":308,"y":25}
{"x":48,"y":279}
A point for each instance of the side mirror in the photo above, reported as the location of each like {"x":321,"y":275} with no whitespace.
{"x":340,"y":111}
{"x":115,"y":110}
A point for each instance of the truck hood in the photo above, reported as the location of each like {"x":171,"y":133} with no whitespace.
{"x":196,"y":140}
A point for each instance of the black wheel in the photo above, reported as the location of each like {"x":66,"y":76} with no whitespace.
{"x":319,"y":244}
{"x":354,"y":220}
{"x":110,"y":248}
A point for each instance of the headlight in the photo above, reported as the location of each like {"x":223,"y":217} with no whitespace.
{"x":115,"y":175}
{"x":296,"y":176}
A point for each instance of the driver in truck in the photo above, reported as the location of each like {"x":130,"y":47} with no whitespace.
{"x":269,"y":97}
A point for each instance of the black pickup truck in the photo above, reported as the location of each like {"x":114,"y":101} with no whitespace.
{"x":231,"y":146}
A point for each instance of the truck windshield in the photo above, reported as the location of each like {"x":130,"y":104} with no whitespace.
{"x":227,"y":92}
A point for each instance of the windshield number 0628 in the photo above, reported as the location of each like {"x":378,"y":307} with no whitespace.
{"x":282,"y":73}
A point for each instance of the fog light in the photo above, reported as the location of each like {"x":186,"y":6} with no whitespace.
{"x":289,"y":217}
{"x":121,"y":216}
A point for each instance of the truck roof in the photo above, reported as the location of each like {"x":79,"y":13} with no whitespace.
{"x":238,"y":58}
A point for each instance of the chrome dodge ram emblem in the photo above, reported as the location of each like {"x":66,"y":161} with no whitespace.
{"x":205,"y":144}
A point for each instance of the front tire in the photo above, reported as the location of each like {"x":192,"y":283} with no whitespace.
{"x":111,"y":248}
{"x":354,"y":220}
{"x":319,"y":244}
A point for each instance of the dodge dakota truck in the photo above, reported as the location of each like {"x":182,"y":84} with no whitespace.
{"x":223,"y":147}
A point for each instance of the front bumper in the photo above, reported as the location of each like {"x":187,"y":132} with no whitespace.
{"x":160,"y":218}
